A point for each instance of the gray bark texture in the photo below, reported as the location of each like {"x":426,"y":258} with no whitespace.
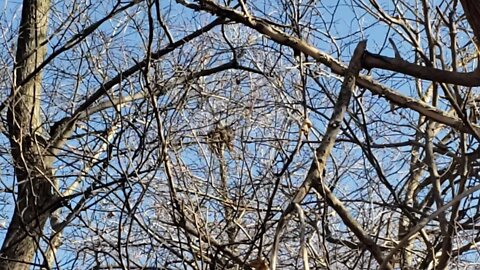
{"x":31,"y":161}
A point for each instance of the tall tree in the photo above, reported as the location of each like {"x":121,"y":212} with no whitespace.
{"x":31,"y":160}
{"x":240,"y":135}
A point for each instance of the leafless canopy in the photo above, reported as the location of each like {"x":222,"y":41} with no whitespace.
{"x":205,"y":134}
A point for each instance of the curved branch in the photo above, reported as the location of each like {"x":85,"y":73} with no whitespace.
{"x":269,"y":30}
{"x":397,"y":64}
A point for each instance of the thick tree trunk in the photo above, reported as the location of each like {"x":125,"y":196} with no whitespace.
{"x":32,"y":164}
{"x":472,"y":12}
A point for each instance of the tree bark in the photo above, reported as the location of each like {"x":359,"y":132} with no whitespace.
{"x":31,"y":160}
{"x":472,"y":12}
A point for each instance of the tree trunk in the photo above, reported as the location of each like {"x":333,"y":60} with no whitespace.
{"x":472,"y":12}
{"x":32,"y":163}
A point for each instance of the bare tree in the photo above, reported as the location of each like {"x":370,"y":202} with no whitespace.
{"x":240,"y":135}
